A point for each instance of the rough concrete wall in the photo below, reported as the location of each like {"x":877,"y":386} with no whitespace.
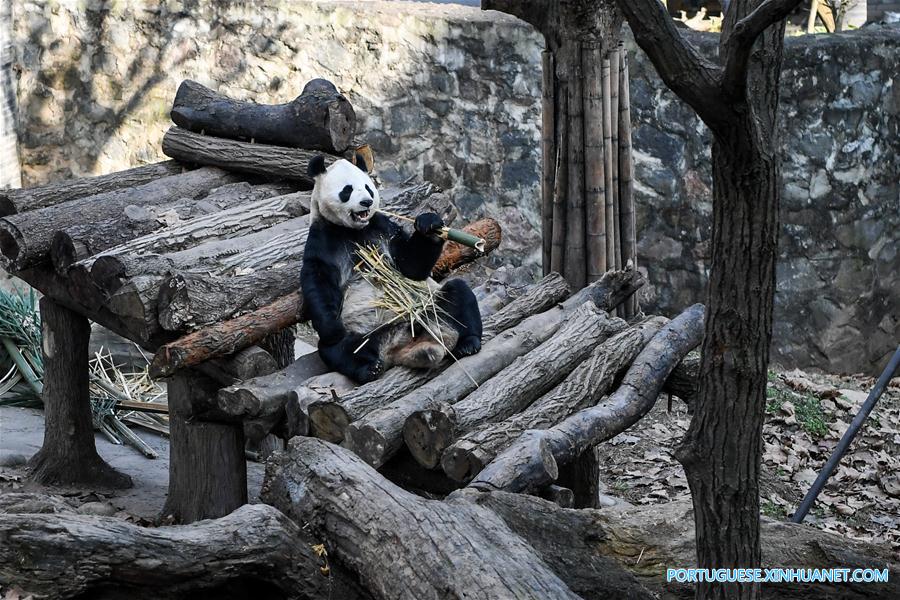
{"x":452,"y":94}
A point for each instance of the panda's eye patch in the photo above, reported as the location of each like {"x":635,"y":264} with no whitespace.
{"x":371,"y":193}
{"x":346,"y":193}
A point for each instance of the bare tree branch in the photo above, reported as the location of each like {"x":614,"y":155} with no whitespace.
{"x":682,"y":68}
{"x":740,"y":40}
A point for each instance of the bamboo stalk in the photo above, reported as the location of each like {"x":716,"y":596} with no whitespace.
{"x":453,"y":235}
{"x":607,"y":168}
{"x":594,"y":184}
{"x":614,"y":156}
{"x":558,"y":256}
{"x":575,"y":265}
{"x":627,"y":215}
{"x":548,"y":157}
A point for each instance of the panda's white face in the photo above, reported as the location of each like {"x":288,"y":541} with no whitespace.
{"x":345,"y":195}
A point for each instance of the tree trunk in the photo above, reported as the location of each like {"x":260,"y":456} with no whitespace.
{"x":207,"y":470}
{"x":378,"y":435}
{"x":25,"y":238}
{"x":583,"y":387}
{"x":320,"y":118}
{"x":254,"y":551}
{"x":429,"y":432}
{"x":257,"y":159}
{"x":14,"y":201}
{"x":438,"y":549}
{"x":85,"y":239}
{"x":533,"y":460}
{"x":68,"y":454}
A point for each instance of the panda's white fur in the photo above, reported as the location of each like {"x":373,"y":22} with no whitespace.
{"x":358,"y":311}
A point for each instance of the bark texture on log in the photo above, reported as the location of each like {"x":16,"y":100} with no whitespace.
{"x":25,"y":238}
{"x":68,"y":454}
{"x":207,"y":469}
{"x":437,"y":549}
{"x":243,"y":157}
{"x":583,"y":387}
{"x":252,"y":550}
{"x":320,"y":118}
{"x":547,"y":292}
{"x":532,"y":461}
{"x":85,"y":239}
{"x":13,"y":201}
{"x":429,"y":432}
{"x":378,"y":435}
{"x":456,"y":255}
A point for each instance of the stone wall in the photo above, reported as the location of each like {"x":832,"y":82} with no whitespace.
{"x":452,"y":94}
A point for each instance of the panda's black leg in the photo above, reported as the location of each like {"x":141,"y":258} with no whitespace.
{"x":360,"y":362}
{"x":458,"y":301}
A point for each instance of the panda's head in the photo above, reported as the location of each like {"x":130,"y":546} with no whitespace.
{"x":344,"y":194}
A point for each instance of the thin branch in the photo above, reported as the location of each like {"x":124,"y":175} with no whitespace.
{"x":740,"y":40}
{"x":691,"y":76}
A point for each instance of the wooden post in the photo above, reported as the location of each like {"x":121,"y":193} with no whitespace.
{"x":608,"y":198}
{"x":68,"y":455}
{"x":575,"y":265}
{"x":594,"y":184}
{"x":207,"y":469}
{"x":627,"y":215}
{"x":614,"y":155}
{"x":548,"y":157}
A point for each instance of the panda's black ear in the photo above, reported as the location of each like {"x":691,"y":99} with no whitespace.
{"x":361,"y":163}
{"x":316,"y":166}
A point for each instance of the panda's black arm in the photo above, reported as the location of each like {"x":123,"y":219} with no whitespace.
{"x":414,"y":254}
{"x":322,"y":298}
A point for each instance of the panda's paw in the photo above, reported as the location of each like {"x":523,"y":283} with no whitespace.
{"x":467,"y":346}
{"x":368,"y":371}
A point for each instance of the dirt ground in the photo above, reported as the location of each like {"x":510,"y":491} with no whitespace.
{"x":806,"y":416}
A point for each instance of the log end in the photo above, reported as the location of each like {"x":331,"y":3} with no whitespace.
{"x":368,"y":443}
{"x":428,"y":433}
{"x":236,"y":401}
{"x":108,"y":273}
{"x":11,"y":247}
{"x":64,"y":252}
{"x":527,"y":465}
{"x":461,"y":462}
{"x":171,"y":304}
{"x":328,"y":421}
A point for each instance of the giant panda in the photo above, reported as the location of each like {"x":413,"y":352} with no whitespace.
{"x":355,"y":338}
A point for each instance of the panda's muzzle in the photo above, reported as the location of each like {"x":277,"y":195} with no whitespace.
{"x":362,"y":215}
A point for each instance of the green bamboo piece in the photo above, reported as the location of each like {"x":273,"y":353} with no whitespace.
{"x":24,"y":368}
{"x":466,"y":239}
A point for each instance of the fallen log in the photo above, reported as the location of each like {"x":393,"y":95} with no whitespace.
{"x":379,"y":434}
{"x":242,"y":157}
{"x":455,"y":255}
{"x":330,"y":418}
{"x":82,"y":240}
{"x":320,"y":118}
{"x":532,"y":461}
{"x":227,"y":337}
{"x":428,"y":432}
{"x":684,"y":381}
{"x":583,"y":387}
{"x":256,"y":547}
{"x":14,"y":201}
{"x":360,"y":514}
{"x":25,"y":238}
{"x":580,"y":546}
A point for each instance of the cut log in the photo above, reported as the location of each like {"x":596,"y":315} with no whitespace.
{"x":456,"y":255}
{"x":82,"y":240}
{"x":330,"y":418}
{"x":584,"y":547}
{"x":25,"y":238}
{"x":242,"y":157}
{"x":207,"y":470}
{"x":315,"y":389}
{"x":320,"y":118}
{"x":583,"y":387}
{"x":254,"y":548}
{"x":378,"y":435}
{"x":68,"y":454}
{"x":429,"y":432}
{"x":531,"y":462}
{"x":360,"y":515}
{"x":14,"y":201}
{"x":684,"y":381}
